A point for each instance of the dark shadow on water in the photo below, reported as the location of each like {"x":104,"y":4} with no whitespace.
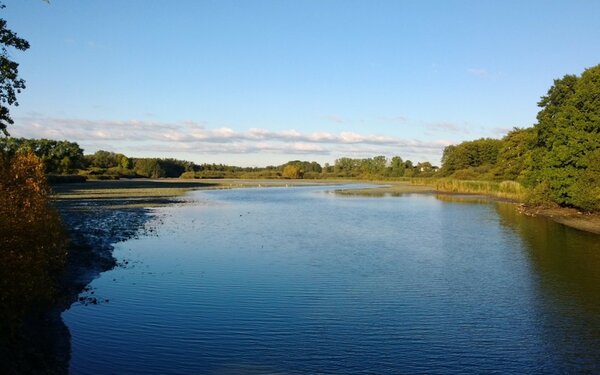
{"x":564,"y":262}
{"x":40,"y":343}
{"x":565,"y":265}
{"x":565,"y":268}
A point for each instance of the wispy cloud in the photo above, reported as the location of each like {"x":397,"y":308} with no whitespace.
{"x":393,"y":119}
{"x":500,"y":132}
{"x":335,"y":118}
{"x":195,"y":137}
{"x":446,"y":127}
{"x":478,"y":72}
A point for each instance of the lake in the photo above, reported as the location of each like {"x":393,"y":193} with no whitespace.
{"x":301,"y":280}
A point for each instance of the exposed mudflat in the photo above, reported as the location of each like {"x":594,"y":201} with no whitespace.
{"x":383,"y":188}
{"x":589,"y":222}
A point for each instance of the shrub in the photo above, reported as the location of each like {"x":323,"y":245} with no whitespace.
{"x":33,"y":247}
{"x":121,"y":172}
{"x":188,"y":175}
{"x":312,"y":175}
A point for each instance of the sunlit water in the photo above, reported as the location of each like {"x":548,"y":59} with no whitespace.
{"x":298,"y":280}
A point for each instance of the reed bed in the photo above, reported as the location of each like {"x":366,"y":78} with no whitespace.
{"x":506,"y":189}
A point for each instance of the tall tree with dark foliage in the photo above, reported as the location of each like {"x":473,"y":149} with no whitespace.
{"x":10,"y":82}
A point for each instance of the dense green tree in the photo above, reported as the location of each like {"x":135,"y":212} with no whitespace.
{"x":477,"y":153}
{"x":304,"y":166}
{"x":346,"y":167}
{"x":376,"y":167}
{"x":424,"y":169}
{"x":103,"y":159}
{"x":157,"y":168}
{"x":175,"y":167}
{"x":123,"y":161}
{"x":514,"y":156}
{"x":57,"y":156}
{"x":396,"y":168}
{"x":149,"y":168}
{"x":315,"y":167}
{"x":373,"y":167}
{"x":565,"y":157}
{"x":10,"y":82}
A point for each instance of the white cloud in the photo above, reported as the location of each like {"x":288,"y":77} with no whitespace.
{"x":196,"y":138}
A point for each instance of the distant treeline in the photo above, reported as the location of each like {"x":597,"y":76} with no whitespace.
{"x":557,"y":160}
{"x":67,"y":158}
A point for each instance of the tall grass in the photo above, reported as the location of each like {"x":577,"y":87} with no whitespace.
{"x":506,"y":189}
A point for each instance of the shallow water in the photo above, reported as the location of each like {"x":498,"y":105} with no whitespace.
{"x":299,"y":280}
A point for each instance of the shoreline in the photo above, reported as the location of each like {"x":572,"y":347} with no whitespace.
{"x":570,"y":217}
{"x":143,"y":194}
{"x":101,"y":214}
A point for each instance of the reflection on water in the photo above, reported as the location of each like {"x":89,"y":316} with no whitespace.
{"x":463,"y":198}
{"x":298,"y":281}
{"x":566,"y":260}
{"x":566,"y":266}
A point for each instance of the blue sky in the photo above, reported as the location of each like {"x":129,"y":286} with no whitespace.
{"x":262,"y":82}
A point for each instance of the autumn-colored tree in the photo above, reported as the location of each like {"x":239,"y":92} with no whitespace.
{"x":292,"y":171}
{"x":32,"y":241}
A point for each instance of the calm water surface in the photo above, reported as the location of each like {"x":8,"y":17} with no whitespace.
{"x":300,"y":280}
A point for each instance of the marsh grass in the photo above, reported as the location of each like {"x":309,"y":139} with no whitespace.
{"x":506,"y":189}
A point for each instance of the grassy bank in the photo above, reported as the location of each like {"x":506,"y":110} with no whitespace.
{"x":513,"y":191}
{"x":510,"y":190}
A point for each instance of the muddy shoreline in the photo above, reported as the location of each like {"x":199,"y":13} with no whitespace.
{"x":585,"y":221}
{"x":43,"y":343}
{"x":95,"y":224}
{"x":96,"y":215}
